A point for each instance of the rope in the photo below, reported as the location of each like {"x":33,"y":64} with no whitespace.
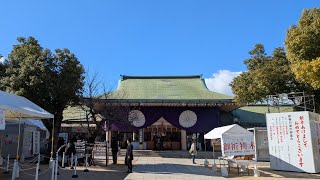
{"x":39,"y":174}
{"x":28,"y":168}
{"x":44,"y":171}
{"x":61,"y":168}
{"x":45,"y":156}
{"x":27,"y":173}
{"x":5,"y":168}
{"x":33,"y":160}
{"x":26,"y":165}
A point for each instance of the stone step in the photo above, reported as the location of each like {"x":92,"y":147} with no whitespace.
{"x":170,"y":154}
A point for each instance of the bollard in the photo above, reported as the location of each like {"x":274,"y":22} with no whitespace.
{"x":56,"y":169}
{"x":17,"y":170}
{"x":37,"y":171}
{"x":214,"y":167}
{"x":206,"y":163}
{"x":63,"y":156}
{"x":71,"y":166}
{"x":52,"y":167}
{"x":7,"y":168}
{"x":39,"y":162}
{"x":86,"y":164}
{"x":56,"y":166}
{"x":75,"y":168}
{"x":50,"y":162}
{"x":14,"y":170}
{"x":256,"y":171}
{"x":224,"y":171}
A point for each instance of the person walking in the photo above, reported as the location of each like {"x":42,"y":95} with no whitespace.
{"x":129,"y":155}
{"x":193,"y":151}
{"x":70,"y":149}
{"x":114,"y":149}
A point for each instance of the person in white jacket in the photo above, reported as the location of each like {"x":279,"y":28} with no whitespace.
{"x":193,"y":151}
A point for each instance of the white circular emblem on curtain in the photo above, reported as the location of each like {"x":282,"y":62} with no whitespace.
{"x":136,"y":118}
{"x":187,"y":119}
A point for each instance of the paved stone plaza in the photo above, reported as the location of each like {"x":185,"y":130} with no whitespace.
{"x":144,"y":168}
{"x":150,"y":168}
{"x":170,"y":168}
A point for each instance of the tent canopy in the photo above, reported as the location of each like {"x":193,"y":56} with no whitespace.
{"x":20,"y":107}
{"x":31,"y":122}
{"x":235,"y":140}
{"x":231,"y":130}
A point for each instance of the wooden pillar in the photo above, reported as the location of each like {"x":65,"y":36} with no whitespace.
{"x":183,"y":140}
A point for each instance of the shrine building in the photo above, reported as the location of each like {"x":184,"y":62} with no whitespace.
{"x":174,"y":109}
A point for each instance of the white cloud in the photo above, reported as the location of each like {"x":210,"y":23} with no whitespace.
{"x":2,"y":60}
{"x":219,"y":82}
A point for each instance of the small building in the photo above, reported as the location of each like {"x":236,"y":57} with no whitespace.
{"x":255,"y":115}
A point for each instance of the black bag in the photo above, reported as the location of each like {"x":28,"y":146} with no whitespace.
{"x":126,"y":161}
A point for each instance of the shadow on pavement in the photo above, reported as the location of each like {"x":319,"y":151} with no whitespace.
{"x":98,"y":172}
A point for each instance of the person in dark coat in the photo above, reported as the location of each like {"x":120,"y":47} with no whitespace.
{"x":70,"y":149}
{"x":114,"y":150}
{"x":129,"y":155}
{"x":60,"y":143}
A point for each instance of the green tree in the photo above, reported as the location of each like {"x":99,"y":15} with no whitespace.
{"x":266,"y":75}
{"x":51,"y":80}
{"x":3,"y":66}
{"x":303,"y":47}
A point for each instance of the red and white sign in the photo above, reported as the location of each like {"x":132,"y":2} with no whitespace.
{"x":294,"y":141}
{"x":2,"y":120}
{"x":237,"y":146}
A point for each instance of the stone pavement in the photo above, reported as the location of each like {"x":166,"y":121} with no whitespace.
{"x":98,"y":172}
{"x":150,"y":168}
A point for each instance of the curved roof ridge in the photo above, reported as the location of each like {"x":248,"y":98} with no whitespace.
{"x":124,"y":77}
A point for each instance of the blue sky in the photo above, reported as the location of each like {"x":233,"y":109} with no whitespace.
{"x":153,"y":37}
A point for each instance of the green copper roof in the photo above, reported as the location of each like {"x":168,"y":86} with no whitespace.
{"x":165,"y":88}
{"x":74,"y":113}
{"x":256,"y":113}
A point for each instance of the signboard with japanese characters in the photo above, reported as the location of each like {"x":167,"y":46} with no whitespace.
{"x":294,"y":141}
{"x":2,"y":120}
{"x":36,"y":142}
{"x":237,"y":145}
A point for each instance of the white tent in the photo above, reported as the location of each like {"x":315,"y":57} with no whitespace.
{"x":235,"y":140}
{"x":20,"y":107}
{"x":32,"y":122}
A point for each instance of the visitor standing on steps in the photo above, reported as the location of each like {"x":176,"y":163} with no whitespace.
{"x":193,"y":151}
{"x":114,"y":149}
{"x":129,"y":155}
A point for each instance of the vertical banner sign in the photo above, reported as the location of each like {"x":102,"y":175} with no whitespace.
{"x":237,"y":146}
{"x":2,"y":120}
{"x":36,"y":142}
{"x":294,"y":139}
{"x":141,"y":136}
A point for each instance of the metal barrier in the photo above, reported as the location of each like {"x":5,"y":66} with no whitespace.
{"x":75,"y":168}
